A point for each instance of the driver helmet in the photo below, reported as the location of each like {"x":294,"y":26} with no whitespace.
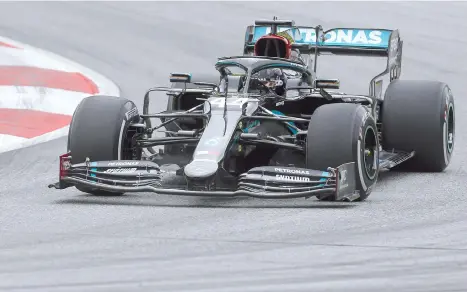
{"x":296,"y":56}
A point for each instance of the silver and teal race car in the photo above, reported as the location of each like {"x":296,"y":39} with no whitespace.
{"x":266,"y":125}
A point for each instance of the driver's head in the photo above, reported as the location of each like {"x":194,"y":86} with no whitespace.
{"x":296,"y":56}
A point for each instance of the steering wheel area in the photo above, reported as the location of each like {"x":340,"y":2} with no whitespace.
{"x":266,"y":94}
{"x":269,"y":96}
{"x":257,"y":84}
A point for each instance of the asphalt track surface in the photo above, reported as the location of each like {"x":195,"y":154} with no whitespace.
{"x":411,"y":234}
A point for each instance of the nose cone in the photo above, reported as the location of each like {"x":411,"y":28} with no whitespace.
{"x":201,"y":169}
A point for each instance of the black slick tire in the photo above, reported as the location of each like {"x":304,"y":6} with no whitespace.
{"x":342,"y":133}
{"x":419,"y":116}
{"x":98,"y":130}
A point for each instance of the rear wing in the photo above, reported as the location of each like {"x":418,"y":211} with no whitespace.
{"x":351,"y":41}
{"x":338,"y":41}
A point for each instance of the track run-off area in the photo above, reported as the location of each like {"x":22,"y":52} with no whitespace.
{"x":410,"y":234}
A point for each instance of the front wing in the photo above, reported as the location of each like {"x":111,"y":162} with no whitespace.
{"x":271,"y":182}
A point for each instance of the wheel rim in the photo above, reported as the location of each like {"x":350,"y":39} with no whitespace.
{"x":450,"y":129}
{"x":370,"y":153}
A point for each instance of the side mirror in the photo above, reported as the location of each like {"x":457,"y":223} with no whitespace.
{"x":208,"y":84}
{"x":180,"y":77}
{"x":327,"y":83}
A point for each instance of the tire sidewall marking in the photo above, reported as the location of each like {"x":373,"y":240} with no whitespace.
{"x":363,"y":128}
{"x":359,"y":166}
{"x":130,"y":113}
{"x":120,"y":142}
{"x":368,"y":127}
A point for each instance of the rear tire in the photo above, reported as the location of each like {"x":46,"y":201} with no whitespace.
{"x":99,"y":130}
{"x":343,"y":133}
{"x":419,"y":116}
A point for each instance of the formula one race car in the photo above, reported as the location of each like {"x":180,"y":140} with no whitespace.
{"x":266,"y":126}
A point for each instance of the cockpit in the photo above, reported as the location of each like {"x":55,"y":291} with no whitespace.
{"x":271,"y":77}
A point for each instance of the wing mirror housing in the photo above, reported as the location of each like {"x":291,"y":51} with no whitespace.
{"x":180,"y":77}
{"x":327,"y":83}
{"x":208,"y":84}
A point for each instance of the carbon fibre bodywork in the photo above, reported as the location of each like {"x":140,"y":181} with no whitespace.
{"x":223,"y":113}
{"x":260,"y":182}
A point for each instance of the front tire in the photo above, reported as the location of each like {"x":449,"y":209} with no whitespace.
{"x":100,"y":130}
{"x":342,"y":133}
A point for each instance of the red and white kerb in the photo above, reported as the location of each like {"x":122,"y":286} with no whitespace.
{"x":37,"y":95}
